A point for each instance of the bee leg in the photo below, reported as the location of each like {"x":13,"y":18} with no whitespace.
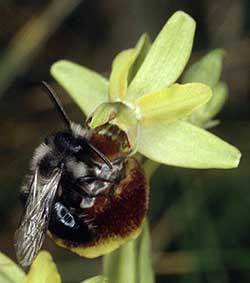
{"x":93,"y":186}
{"x":91,"y":179}
{"x":87,"y":202}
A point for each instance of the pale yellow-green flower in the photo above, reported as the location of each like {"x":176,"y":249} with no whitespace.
{"x":142,"y":98}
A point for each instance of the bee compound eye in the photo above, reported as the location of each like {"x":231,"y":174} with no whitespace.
{"x":64,"y":216}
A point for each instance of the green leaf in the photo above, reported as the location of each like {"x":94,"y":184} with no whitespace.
{"x":166,"y":58}
{"x":122,"y":69}
{"x":87,"y":88}
{"x":202,"y":116}
{"x":120,"y":265}
{"x":10,"y":272}
{"x":207,"y":70}
{"x":43,"y":270}
{"x":172,"y":103}
{"x":145,"y":270}
{"x":185,"y":145}
{"x":96,"y":279}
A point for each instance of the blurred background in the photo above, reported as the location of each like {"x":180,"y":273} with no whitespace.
{"x":200,"y":220}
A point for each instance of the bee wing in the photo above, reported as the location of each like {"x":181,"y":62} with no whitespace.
{"x":30,"y":234}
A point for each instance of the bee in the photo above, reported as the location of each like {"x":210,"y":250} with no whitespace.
{"x":83,"y":190}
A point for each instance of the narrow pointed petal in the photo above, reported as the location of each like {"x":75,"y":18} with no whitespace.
{"x":119,"y":75}
{"x":166,"y":58}
{"x":10,"y":272}
{"x":170,"y":104}
{"x":123,"y":70}
{"x":87,"y":88}
{"x":185,"y":145}
{"x":43,"y":270}
{"x":202,"y":116}
{"x":207,"y":70}
{"x":220,"y":94}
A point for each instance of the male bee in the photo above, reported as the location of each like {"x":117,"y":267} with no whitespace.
{"x":83,"y":190}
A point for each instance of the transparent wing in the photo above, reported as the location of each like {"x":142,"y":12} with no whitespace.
{"x":30,"y":234}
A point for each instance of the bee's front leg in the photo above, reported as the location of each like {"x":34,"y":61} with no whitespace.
{"x":94,"y":186}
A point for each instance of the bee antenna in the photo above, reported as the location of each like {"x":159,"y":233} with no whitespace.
{"x":100,"y":154}
{"x":57,"y":103}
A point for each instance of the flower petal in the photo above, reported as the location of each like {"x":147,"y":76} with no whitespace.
{"x":172,"y":103}
{"x":220,"y":94}
{"x":117,"y":114}
{"x":122,"y":68}
{"x":119,"y":75}
{"x":207,"y":70}
{"x":203,"y":115}
{"x":87,"y":88}
{"x":10,"y":272}
{"x":103,"y":114}
{"x":96,"y":279}
{"x":127,"y":122}
{"x":166,"y":58}
{"x":43,"y":270}
{"x":183,"y":144}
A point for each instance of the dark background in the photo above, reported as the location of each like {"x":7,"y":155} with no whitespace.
{"x":200,"y":219}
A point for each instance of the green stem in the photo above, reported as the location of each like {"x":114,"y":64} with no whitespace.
{"x":131,"y":263}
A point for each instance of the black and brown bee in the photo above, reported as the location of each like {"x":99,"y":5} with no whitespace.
{"x":83,"y":190}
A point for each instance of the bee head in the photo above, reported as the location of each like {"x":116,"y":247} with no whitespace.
{"x":77,"y":138}
{"x":65,"y":142}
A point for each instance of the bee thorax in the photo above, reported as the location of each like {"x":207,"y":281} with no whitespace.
{"x":77,"y":168}
{"x":41,"y":151}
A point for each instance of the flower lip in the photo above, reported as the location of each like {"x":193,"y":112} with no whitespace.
{"x":116,"y":217}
